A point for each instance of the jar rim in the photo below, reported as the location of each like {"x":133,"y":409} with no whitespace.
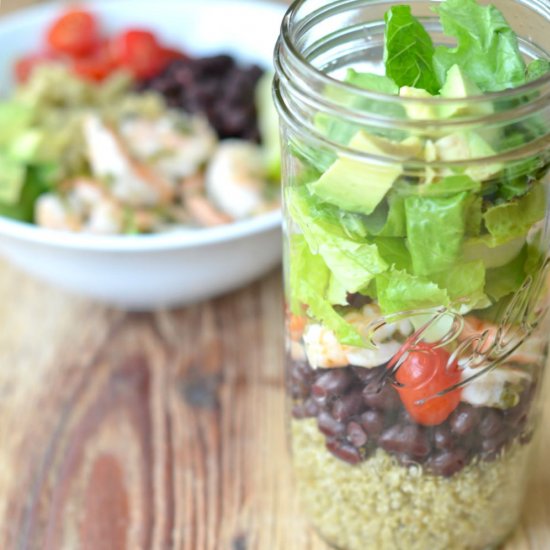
{"x":325,"y":79}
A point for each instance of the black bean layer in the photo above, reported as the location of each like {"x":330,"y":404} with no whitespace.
{"x":358,"y":411}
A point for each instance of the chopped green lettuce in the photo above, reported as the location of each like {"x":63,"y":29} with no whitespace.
{"x":372,"y":82}
{"x":352,"y":262}
{"x":399,"y":291}
{"x":388,"y":218}
{"x":514,"y":219}
{"x":506,"y":279}
{"x":435,"y":230}
{"x":487,"y":49}
{"x":309,"y":283}
{"x":37,"y":180}
{"x":394,"y":251}
{"x":537,"y":68}
{"x":465,"y":283}
{"x":409,"y":51}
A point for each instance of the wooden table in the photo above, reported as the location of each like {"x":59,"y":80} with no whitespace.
{"x":158,"y":431}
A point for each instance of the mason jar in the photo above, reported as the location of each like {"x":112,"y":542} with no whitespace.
{"x":416,"y":240}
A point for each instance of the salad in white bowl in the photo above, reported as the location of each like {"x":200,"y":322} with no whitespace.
{"x":139,"y":161}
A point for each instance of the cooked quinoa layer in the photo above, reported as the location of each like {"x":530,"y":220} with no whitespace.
{"x":381,"y":505}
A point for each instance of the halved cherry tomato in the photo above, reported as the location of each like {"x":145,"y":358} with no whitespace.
{"x":96,"y":66}
{"x":75,"y":33}
{"x":139,"y":51}
{"x":422,"y":375}
{"x":25,"y":65}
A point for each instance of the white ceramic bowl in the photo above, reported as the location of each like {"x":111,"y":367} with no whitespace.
{"x":149,"y":271}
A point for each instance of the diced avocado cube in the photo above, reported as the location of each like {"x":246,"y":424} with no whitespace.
{"x":419,"y":110}
{"x":456,"y":86}
{"x":358,"y":185}
{"x":463,"y":146}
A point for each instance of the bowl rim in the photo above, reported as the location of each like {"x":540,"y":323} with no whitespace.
{"x":173,"y":239}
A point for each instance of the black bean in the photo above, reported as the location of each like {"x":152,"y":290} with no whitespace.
{"x":356,"y":435}
{"x":443,"y":438}
{"x":311,"y":408}
{"x":464,"y":419}
{"x":447,"y":463}
{"x":491,"y":446}
{"x":348,"y":405}
{"x":491,"y":422}
{"x":298,"y":411}
{"x":357,"y":300}
{"x":367,"y":375}
{"x":344,"y":451}
{"x":329,"y":426}
{"x":373,"y":422}
{"x":332,"y":383}
{"x":405,"y":418}
{"x":405,"y":439}
{"x":380,"y":397}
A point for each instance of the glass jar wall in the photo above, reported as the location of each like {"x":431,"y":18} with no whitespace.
{"x":416,"y":239}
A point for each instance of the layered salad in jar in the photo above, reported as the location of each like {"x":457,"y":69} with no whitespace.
{"x":415,"y":302}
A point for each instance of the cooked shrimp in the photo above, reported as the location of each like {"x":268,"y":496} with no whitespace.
{"x":324,"y":350}
{"x":51,"y":211}
{"x":132,"y":183}
{"x":177,"y":147}
{"x":500,"y":387}
{"x":85,"y":207}
{"x":235,"y":178}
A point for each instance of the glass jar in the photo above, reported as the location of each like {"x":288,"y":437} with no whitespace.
{"x":416,"y":240}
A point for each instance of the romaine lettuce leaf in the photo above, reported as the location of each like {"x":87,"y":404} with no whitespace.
{"x":435,"y":230}
{"x":399,"y":291}
{"x":388,"y":218}
{"x":352,"y":262}
{"x":503,"y":280}
{"x":37,"y":180}
{"x":514,"y":219}
{"x":395,"y":252}
{"x":487,"y":49}
{"x":464,"y":283}
{"x":309,"y":281}
{"x":408,"y":51}
{"x":372,"y":82}
{"x":537,"y":68}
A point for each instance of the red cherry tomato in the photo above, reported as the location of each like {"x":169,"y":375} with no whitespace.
{"x":97,"y":66}
{"x":139,"y":52}
{"x":75,"y":33}
{"x":423,"y":374}
{"x":25,"y":65}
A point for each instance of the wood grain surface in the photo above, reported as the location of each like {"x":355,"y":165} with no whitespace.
{"x":158,"y":431}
